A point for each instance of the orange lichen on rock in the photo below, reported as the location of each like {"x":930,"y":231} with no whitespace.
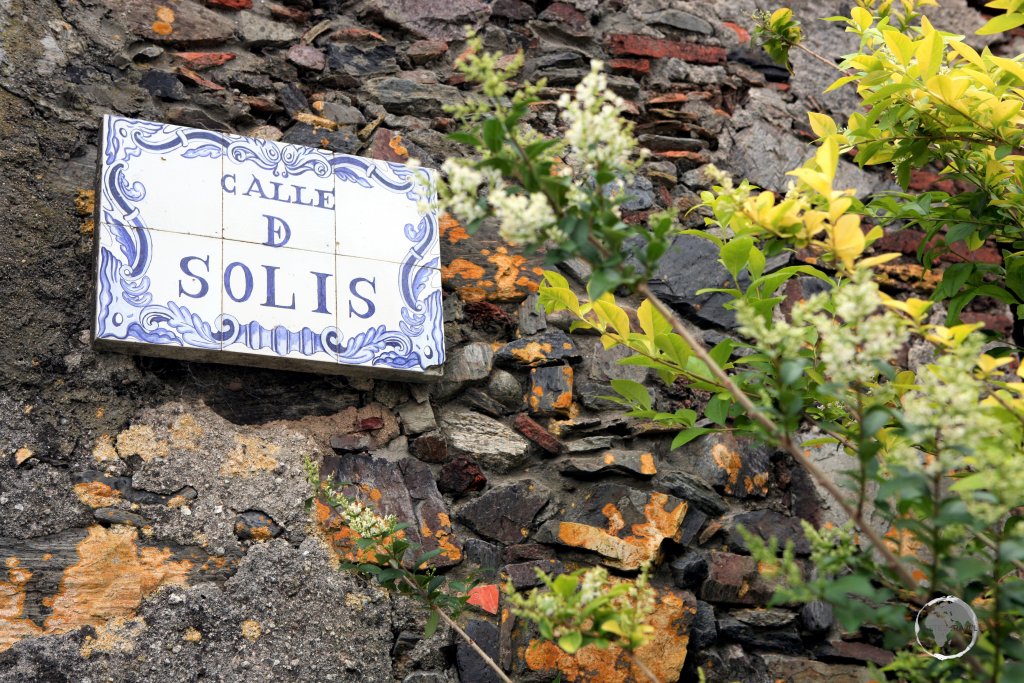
{"x":664,"y":653}
{"x":186,"y":433}
{"x":251,"y":455}
{"x":452,"y":229}
{"x":141,"y":440}
{"x":533,"y":352}
{"x":644,"y":541}
{"x":758,"y":481}
{"x":251,"y":630}
{"x":97,"y":494}
{"x":443,"y":537}
{"x":111,"y":578}
{"x":164,"y":20}
{"x":729,"y":460}
{"x":511,"y":281}
{"x":85,"y":207}
{"x":340,"y":538}
{"x":104,"y":450}
{"x":117,"y":635}
{"x":647,"y":464}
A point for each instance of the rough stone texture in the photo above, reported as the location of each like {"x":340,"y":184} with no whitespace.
{"x":636,"y":464}
{"x":506,"y":514}
{"x":623,"y":526}
{"x":405,"y":489}
{"x":550,"y":391}
{"x":152,"y":524}
{"x":494,"y":445}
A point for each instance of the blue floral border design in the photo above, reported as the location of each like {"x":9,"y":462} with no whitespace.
{"x":417,"y":344}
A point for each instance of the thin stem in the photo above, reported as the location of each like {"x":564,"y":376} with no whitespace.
{"x":784,"y":440}
{"x":820,"y":58}
{"x":643,"y":667}
{"x":997,"y":622}
{"x":472,"y":643}
{"x":455,"y":627}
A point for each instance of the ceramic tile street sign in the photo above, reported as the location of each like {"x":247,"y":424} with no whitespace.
{"x":223,"y":248}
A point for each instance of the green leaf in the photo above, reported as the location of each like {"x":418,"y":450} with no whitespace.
{"x":676,"y":351}
{"x":494,"y":134}
{"x":722,"y":351}
{"x":1000,"y":24}
{"x":634,"y":392}
{"x":571,"y":642}
{"x":735,"y":254}
{"x":717,"y":410}
{"x":652,"y":322}
{"x":687,"y":435}
{"x":431,"y":624}
{"x":565,"y":585}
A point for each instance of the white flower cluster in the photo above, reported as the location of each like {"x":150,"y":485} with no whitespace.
{"x":362,"y":519}
{"x":464,"y":183}
{"x":597,"y":133}
{"x":778,"y":339}
{"x":524,"y":219}
{"x":853,"y":347}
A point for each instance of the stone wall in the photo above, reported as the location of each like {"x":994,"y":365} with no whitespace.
{"x":152,"y":521}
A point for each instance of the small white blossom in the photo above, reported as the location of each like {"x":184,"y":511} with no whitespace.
{"x":524,"y":218}
{"x":597,"y":133}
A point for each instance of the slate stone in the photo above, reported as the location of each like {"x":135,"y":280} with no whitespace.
{"x":704,"y":629}
{"x":505,"y":514}
{"x":417,"y":417}
{"x":765,"y":524}
{"x":738,"y":468}
{"x":115,"y":516}
{"x":461,"y":476}
{"x":342,"y":114}
{"x":190,"y":25}
{"x":506,"y":389}
{"x":550,"y":391}
{"x":667,"y":143}
{"x":678,"y":19}
{"x":549,"y":348}
{"x":690,"y":264}
{"x":403,"y":96}
{"x":761,"y":617}
{"x":470,"y":362}
{"x":637,"y":464}
{"x":405,"y":489}
{"x":470,"y":666}
{"x":482,"y":403}
{"x":526,"y":552}
{"x":784,"y":667}
{"x":163,"y":84}
{"x":816,"y":616}
{"x":351,"y":443}
{"x":257,"y":31}
{"x":512,"y":9}
{"x":729,"y":662}
{"x":852,"y":651}
{"x":734,"y":579}
{"x":294,"y":101}
{"x":488,"y":441}
{"x":639,"y":194}
{"x":689,"y":569}
{"x":433,"y":19}
{"x":430,"y":447}
{"x":778,"y":639}
{"x":693,"y":489}
{"x":307,"y":135}
{"x":592,"y":395}
{"x":423,"y":51}
{"x":536,"y":433}
{"x":486,"y":556}
{"x":253,"y":525}
{"x":524,"y":574}
{"x":589,"y":443}
{"x":532,"y":318}
{"x":349,"y":64}
{"x":307,"y":57}
{"x":625,"y":527}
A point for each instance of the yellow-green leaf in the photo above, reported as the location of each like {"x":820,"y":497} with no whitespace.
{"x":900,"y":45}
{"x":615,"y":316}
{"x":1003,"y":22}
{"x":848,"y":239}
{"x":652,"y":322}
{"x":822,"y":125}
{"x":861,"y":17}
{"x":929,"y":50}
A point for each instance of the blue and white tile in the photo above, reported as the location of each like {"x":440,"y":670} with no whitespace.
{"x":278,"y":194}
{"x":389,"y":314}
{"x":158,"y":287}
{"x":160,"y":176}
{"x":378,"y":214}
{"x":279,"y":302}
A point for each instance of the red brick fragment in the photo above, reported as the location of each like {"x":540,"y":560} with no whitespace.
{"x":640,"y":66}
{"x":294,"y":14}
{"x":198,"y":80}
{"x":671,"y":98}
{"x":566,"y":14}
{"x":357,"y":34}
{"x":740,"y":32}
{"x":533,"y":431}
{"x":230,"y":4}
{"x":485,"y":597}
{"x":370,"y":423}
{"x":204,"y":60}
{"x":648,"y":46}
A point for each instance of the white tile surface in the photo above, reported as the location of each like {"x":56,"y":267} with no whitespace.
{"x":167,"y":177}
{"x":160,"y":287}
{"x":278,"y":194}
{"x":380,"y":223}
{"x":283,"y":298}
